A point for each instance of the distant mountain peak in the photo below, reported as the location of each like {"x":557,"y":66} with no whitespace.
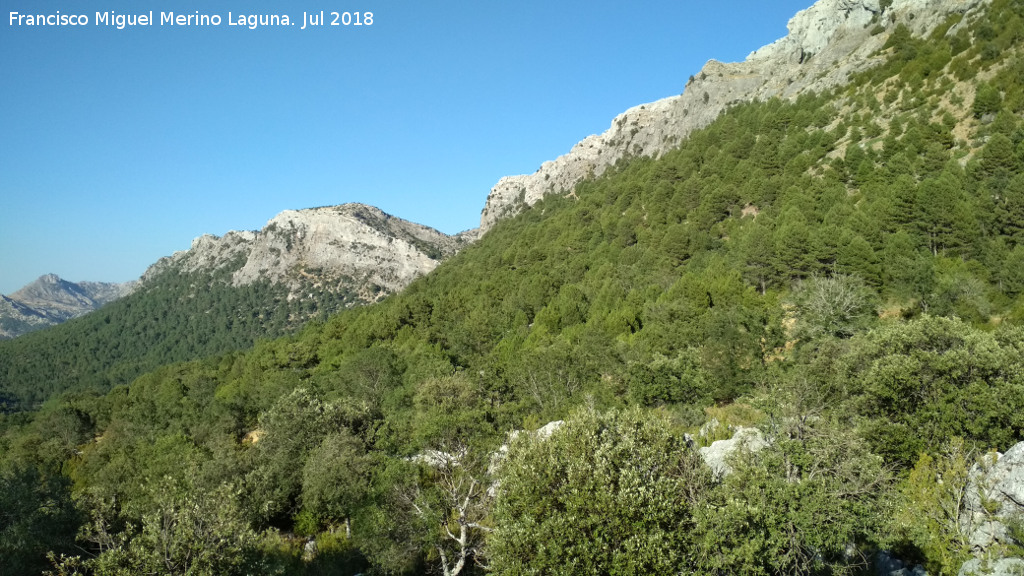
{"x":50,"y":300}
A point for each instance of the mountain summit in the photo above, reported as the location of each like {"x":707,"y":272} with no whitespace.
{"x":351,"y":247}
{"x":350,"y":253}
{"x":224,"y":293}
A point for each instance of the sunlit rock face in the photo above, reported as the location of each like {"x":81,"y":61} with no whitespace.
{"x":351,"y":246}
{"x":826,"y":44}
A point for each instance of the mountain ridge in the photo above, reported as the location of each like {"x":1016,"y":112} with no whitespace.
{"x":343,"y":248}
{"x":225,"y":293}
{"x":827,"y":43}
{"x":324,"y":246}
{"x":50,"y":300}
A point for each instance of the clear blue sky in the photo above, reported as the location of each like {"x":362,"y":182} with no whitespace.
{"x":118,"y":147}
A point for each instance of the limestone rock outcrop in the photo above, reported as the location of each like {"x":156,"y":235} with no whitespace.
{"x":717,"y":455}
{"x":826,"y":44}
{"x":994,"y":498}
{"x":995,"y":493}
{"x":348,"y":247}
{"x":498,"y":456}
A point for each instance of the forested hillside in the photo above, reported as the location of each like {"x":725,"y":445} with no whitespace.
{"x":844,"y":272}
{"x":223,"y":294}
{"x":173,"y":317}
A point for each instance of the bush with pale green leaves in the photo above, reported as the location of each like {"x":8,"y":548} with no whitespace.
{"x":607,"y":493}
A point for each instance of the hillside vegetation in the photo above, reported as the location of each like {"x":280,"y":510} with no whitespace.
{"x":174,"y":316}
{"x":845,"y":272}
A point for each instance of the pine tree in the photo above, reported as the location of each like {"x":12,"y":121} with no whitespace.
{"x":899,"y":259}
{"x":793,"y":257}
{"x":758,"y":255}
{"x":942,"y":216}
{"x":998,"y":158}
{"x":859,"y":258}
{"x":1009,"y":210}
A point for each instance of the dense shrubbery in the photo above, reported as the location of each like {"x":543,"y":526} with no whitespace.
{"x":614,"y":493}
{"x":813,"y":502}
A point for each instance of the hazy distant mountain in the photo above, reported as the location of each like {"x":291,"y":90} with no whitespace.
{"x":50,"y":300}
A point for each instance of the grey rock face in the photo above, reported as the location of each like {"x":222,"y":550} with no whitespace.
{"x":438,"y":458}
{"x":51,"y":300}
{"x":826,"y":44}
{"x":310,"y":550}
{"x":716,"y":455}
{"x":1000,"y":567}
{"x":54,"y":293}
{"x":351,"y":246}
{"x":542,"y":433}
{"x":994,"y":496}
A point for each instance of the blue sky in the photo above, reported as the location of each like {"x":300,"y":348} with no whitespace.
{"x":118,"y":147}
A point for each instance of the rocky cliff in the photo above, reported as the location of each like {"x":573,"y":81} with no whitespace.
{"x":350,"y":247}
{"x":50,"y":300}
{"x":826,"y":44}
